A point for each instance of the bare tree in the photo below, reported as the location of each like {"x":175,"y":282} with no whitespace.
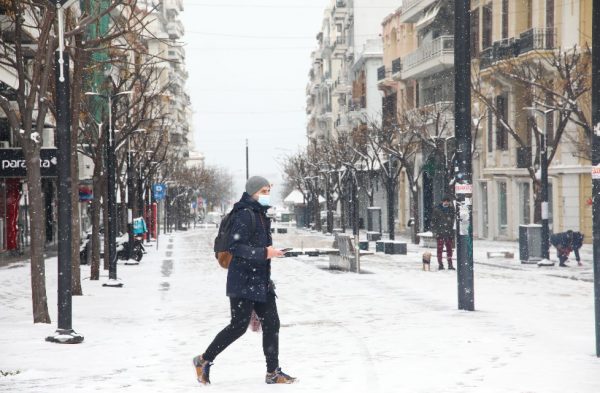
{"x":554,"y":82}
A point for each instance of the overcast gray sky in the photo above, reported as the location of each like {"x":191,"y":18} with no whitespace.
{"x":248,"y":63}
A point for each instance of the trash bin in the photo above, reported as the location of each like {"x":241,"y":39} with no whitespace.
{"x":530,"y":243}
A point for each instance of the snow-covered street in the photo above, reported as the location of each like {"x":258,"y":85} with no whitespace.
{"x":394,"y":328}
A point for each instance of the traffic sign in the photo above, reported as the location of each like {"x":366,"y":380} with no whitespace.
{"x":159,"y":190}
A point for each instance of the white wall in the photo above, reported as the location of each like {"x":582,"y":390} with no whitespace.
{"x":368,"y":15}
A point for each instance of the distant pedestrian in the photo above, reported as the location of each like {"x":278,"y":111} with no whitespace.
{"x":249,"y":284}
{"x":442,"y":225}
{"x":565,"y":242}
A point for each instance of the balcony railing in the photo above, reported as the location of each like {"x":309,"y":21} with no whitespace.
{"x":396,"y":65}
{"x":381,"y":73}
{"x":537,"y":39}
{"x":530,"y":40}
{"x":439,"y":46}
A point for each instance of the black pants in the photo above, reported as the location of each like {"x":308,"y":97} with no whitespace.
{"x":241,"y":309}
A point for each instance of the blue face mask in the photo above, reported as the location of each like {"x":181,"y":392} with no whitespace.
{"x":264,"y":200}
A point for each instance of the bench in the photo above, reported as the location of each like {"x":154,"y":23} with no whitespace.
{"x":391,"y":247}
{"x":373,"y":236}
{"x":500,"y":254}
{"x":347,"y":258}
{"x":427,"y":239}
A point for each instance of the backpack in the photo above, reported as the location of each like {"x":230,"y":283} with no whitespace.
{"x":221,"y":246}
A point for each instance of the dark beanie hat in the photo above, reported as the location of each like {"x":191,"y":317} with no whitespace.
{"x":255,"y":183}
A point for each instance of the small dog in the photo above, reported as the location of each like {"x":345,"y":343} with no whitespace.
{"x":426,"y":261}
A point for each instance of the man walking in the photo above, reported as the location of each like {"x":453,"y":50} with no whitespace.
{"x":249,"y":284}
{"x":442,"y":225}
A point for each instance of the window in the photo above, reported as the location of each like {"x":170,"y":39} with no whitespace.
{"x":504,"y":19}
{"x":524,"y":203}
{"x":501,"y":131}
{"x":484,"y":210}
{"x":502,"y":207}
{"x":486,"y":26}
{"x":549,"y":13}
{"x":529,"y":14}
{"x":475,"y":32}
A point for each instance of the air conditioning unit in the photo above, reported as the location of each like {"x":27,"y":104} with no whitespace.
{"x":4,"y":144}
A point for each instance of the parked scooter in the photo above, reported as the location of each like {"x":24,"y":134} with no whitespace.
{"x":137,"y":252}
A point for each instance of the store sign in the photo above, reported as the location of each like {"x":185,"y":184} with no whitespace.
{"x":463,"y":188}
{"x":596,"y":172}
{"x":12,"y":162}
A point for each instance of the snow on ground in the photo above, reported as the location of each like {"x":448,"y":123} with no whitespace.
{"x":394,"y":328}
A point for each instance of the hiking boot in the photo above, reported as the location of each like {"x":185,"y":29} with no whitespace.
{"x":202,"y":369}
{"x":278,"y":376}
{"x":441,"y":267}
{"x":451,"y":266}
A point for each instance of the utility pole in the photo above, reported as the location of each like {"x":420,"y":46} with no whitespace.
{"x":462,"y":127}
{"x":596,"y":161}
{"x":65,"y":333}
{"x":247,"y":161}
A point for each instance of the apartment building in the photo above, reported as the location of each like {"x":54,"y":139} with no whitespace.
{"x":417,"y":83}
{"x":342,"y":92}
{"x":509,"y":34}
{"x":165,"y":44}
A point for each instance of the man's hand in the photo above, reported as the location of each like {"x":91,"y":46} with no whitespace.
{"x":274,"y":253}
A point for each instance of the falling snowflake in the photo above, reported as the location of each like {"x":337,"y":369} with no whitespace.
{"x":236,"y":236}
{"x":597,"y":129}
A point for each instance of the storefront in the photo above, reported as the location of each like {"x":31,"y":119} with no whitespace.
{"x":14,"y":198}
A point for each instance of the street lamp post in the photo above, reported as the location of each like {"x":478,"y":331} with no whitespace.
{"x":544,"y":182}
{"x":464,"y":174}
{"x":64,"y":332}
{"x":112,"y":282}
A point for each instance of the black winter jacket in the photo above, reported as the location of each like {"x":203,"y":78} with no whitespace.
{"x":249,"y":274}
{"x":442,"y":221}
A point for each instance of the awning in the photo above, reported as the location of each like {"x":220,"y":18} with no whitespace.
{"x":428,"y":17}
{"x":294,"y":198}
{"x":9,"y":77}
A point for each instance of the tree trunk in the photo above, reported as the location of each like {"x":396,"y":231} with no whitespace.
{"x":96,"y":209}
{"x":537,"y":201}
{"x":38,"y":235}
{"x":414,"y":211}
{"x":105,"y":223}
{"x":390,"y":208}
{"x":124,"y":215}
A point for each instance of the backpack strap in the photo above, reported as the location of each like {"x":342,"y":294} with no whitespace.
{"x":253,"y":220}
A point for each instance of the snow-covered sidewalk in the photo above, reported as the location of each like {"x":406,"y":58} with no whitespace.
{"x":393,"y":329}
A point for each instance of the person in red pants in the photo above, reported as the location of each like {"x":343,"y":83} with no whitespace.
{"x":442,"y":225}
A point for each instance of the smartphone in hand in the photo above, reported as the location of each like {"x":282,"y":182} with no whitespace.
{"x":284,"y":250}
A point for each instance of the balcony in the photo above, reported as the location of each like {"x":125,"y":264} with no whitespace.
{"x":536,"y":39}
{"x":524,"y":157}
{"x":413,"y":9}
{"x":175,"y":29}
{"x":429,"y":59}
